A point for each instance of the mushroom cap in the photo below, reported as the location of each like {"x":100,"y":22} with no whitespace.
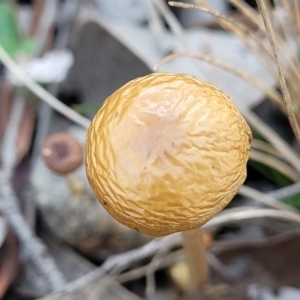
{"x":166,"y":152}
{"x":62,"y":153}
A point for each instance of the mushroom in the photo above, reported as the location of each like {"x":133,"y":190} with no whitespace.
{"x":62,"y":153}
{"x":164,"y":154}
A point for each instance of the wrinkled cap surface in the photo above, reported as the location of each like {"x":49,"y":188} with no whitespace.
{"x":166,"y":152}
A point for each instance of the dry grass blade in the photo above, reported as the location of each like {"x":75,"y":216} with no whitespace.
{"x":265,"y":199}
{"x":288,"y":8}
{"x":276,"y":164}
{"x":170,"y":18}
{"x":282,"y":146}
{"x":273,"y":94}
{"x":248,"y":12}
{"x":285,"y":92}
{"x":267,"y":148}
{"x":281,"y":44}
{"x":139,"y":272}
{"x":284,"y":35}
{"x":241,"y":30}
{"x":297,"y":17}
{"x":236,"y":215}
{"x":40,"y":92}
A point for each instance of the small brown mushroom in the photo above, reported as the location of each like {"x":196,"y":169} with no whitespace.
{"x":62,"y":153}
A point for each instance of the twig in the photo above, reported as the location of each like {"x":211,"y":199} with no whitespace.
{"x":45,"y":23}
{"x":171,"y":20}
{"x":265,"y":199}
{"x":236,"y":244}
{"x":228,"y":216}
{"x":115,"y":261}
{"x":66,"y":22}
{"x":286,"y":192}
{"x":234,"y":215}
{"x":139,"y":272}
{"x":40,"y":92}
{"x":151,"y":269}
{"x":34,"y":249}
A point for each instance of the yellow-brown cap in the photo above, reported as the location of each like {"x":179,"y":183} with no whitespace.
{"x":166,"y":152}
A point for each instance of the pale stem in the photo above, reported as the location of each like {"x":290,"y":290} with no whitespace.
{"x":196,"y":259}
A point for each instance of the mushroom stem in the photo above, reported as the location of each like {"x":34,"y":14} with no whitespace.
{"x":196,"y":259}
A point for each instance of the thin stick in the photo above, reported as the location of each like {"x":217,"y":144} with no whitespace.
{"x":139,"y":272}
{"x":128,"y":258}
{"x":236,"y":215}
{"x":45,"y":22}
{"x":196,"y":259}
{"x":150,"y":271}
{"x":170,"y":18}
{"x":34,"y":249}
{"x":263,"y":198}
{"x":123,"y":259}
{"x":286,"y":192}
{"x":40,"y":92}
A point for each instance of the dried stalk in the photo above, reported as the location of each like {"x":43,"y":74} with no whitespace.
{"x":297,"y":16}
{"x":248,"y":12}
{"x":241,"y":30}
{"x":285,"y":92}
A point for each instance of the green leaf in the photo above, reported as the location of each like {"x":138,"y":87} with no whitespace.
{"x":27,"y":46}
{"x":86,"y":109}
{"x":293,"y":201}
{"x":271,"y":174}
{"x":9,"y":33}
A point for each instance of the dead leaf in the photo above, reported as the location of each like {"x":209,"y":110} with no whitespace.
{"x":9,"y":262}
